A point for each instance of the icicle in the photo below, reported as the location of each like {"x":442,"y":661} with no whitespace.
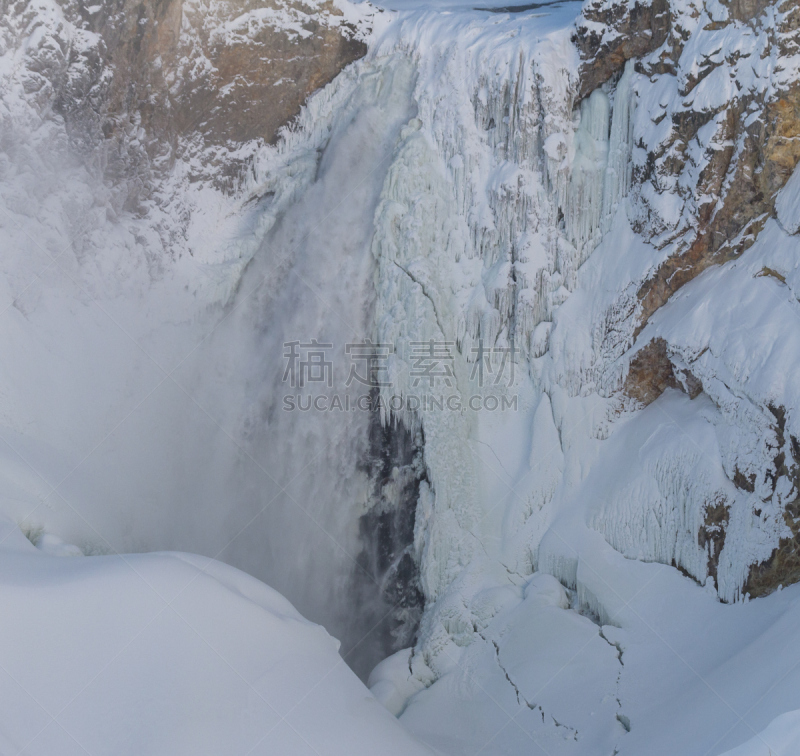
{"x":618,"y":174}
{"x":584,"y":202}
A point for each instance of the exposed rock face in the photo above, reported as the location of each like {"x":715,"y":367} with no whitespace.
{"x":651,"y":372}
{"x":264,"y":65}
{"x":741,"y":185}
{"x":141,"y":82}
{"x":748,"y":128}
{"x":719,"y":139}
{"x":637,"y":31}
{"x":783,"y":567}
{"x":711,"y":535}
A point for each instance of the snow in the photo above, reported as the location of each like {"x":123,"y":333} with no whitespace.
{"x":782,"y":736}
{"x":446,"y":187}
{"x":392,"y":681}
{"x":170,"y":653}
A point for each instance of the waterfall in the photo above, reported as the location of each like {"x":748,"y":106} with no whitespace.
{"x":444,"y":192}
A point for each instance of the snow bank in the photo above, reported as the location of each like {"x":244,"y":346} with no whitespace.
{"x":169,"y":653}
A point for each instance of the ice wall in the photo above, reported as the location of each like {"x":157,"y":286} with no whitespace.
{"x":499,"y":189}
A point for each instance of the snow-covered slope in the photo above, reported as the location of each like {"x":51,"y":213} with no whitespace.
{"x":601,"y":197}
{"x":169,"y":654}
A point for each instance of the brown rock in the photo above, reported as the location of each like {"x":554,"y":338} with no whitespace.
{"x":711,"y":535}
{"x":650,"y":373}
{"x":641,"y":29}
{"x":783,"y":565}
{"x":746,"y":166}
{"x":162,"y":77}
{"x":260,"y":82}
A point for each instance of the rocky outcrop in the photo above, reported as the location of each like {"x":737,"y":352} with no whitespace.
{"x":717,"y":136}
{"x":140,"y":83}
{"x":711,"y":536}
{"x":651,"y":372}
{"x":742,"y":184}
{"x":783,"y":566}
{"x":610,"y":34}
{"x":731,"y":143}
{"x":265,"y":60}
